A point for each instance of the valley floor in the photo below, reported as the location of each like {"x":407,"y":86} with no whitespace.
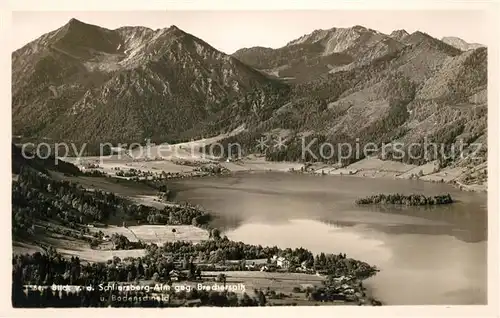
{"x":368,"y":167}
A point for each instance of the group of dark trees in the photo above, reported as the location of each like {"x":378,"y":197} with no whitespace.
{"x":48,"y":148}
{"x":221,"y":250}
{"x":216,"y":250}
{"x":38,"y":197}
{"x":40,"y":160}
{"x":174,"y":215}
{"x":121,"y":242}
{"x":52,"y":270}
{"x":337,"y":265}
{"x":412,"y":199}
{"x":84,"y":298}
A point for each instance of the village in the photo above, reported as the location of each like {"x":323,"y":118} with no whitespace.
{"x":276,"y":276}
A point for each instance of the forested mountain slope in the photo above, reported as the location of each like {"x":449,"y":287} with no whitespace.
{"x":83,"y":82}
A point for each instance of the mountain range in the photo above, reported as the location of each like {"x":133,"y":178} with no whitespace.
{"x":83,"y":82}
{"x":461,"y":44}
{"x":86,"y":83}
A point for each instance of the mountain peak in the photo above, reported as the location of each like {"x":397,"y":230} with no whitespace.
{"x":359,"y":28}
{"x":75,"y":23}
{"x":74,"y":20}
{"x":398,"y":34}
{"x":319,"y":35}
{"x":418,"y":37}
{"x":424,"y":40}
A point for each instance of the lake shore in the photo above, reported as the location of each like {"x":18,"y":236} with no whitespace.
{"x":184,"y":166}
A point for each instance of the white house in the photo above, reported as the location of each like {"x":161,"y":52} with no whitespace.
{"x":303,"y":265}
{"x":174,"y":275}
{"x":282,"y":262}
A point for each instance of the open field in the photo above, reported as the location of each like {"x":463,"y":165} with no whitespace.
{"x":260,"y":164}
{"x":369,"y":164}
{"x":161,"y":234}
{"x":424,"y":170}
{"x":248,"y":282}
{"x":150,"y":200}
{"x":292,"y":278}
{"x":72,"y":247}
{"x":158,"y":234}
{"x":185,"y":150}
{"x":368,"y":167}
{"x":25,"y":248}
{"x":282,"y":282}
{"x":91,"y":255}
{"x":108,"y":165}
{"x":251,"y":280}
{"x":120,"y":187}
{"x":136,"y":191}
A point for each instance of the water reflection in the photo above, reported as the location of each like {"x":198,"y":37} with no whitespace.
{"x":427,"y":255}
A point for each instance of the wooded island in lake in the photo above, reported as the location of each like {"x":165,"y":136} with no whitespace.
{"x":412,"y":199}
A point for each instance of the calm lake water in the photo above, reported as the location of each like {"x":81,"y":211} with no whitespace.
{"x":432,"y":255}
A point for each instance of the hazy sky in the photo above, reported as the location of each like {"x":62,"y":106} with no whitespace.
{"x":232,"y":30}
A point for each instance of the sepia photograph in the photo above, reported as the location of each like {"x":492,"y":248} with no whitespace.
{"x":249,"y":158}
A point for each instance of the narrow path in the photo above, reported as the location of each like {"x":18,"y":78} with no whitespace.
{"x":132,"y":233}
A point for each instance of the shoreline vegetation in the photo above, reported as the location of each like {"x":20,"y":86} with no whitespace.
{"x":194,"y":167}
{"x":408,"y":200}
{"x":68,"y":209}
{"x":185,"y":160}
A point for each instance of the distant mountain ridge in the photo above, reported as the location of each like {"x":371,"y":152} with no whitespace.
{"x":321,"y":52}
{"x":461,"y":44}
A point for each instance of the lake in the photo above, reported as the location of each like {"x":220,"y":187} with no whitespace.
{"x":426,"y":255}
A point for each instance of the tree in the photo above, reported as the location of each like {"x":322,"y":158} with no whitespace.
{"x":262,"y":298}
{"x":214,"y":234}
{"x":155,"y":276}
{"x":222,"y":278}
